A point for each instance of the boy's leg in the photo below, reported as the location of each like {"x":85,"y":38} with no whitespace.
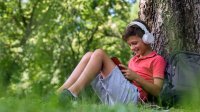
{"x":99,"y":62}
{"x":115,"y":88}
{"x":76,"y":73}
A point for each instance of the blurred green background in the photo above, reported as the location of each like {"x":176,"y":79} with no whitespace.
{"x":41,"y":41}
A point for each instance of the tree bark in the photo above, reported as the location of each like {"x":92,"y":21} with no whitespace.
{"x":174,"y":23}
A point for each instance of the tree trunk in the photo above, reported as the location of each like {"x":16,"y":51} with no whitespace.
{"x":174,"y":23}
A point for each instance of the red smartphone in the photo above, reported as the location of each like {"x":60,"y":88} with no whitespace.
{"x":117,"y":62}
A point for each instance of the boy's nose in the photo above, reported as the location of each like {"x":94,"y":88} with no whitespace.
{"x":132,"y":47}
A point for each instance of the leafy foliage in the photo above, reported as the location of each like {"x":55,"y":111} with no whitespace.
{"x":43,"y":40}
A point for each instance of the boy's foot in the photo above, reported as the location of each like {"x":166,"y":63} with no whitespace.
{"x":66,"y":97}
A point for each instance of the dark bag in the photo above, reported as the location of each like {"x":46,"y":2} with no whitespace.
{"x":181,"y":77}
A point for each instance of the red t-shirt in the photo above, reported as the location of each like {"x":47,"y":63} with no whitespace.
{"x":148,"y":67}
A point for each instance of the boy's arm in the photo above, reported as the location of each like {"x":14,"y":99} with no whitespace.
{"x":152,"y":88}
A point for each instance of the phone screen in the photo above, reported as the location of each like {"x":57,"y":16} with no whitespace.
{"x":117,"y":62}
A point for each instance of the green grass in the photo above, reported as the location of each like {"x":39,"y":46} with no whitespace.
{"x":12,"y":104}
{"x":49,"y":103}
{"x":88,"y":102}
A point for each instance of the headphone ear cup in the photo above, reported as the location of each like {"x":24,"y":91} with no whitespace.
{"x":148,"y":38}
{"x":151,"y":38}
{"x":145,"y":39}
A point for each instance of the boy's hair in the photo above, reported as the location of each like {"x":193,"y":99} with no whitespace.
{"x":134,"y":30}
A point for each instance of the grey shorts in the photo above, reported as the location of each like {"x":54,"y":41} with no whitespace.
{"x":115,"y":88}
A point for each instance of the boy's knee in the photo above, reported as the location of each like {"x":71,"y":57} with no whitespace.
{"x":88,"y":55}
{"x":99,"y":52}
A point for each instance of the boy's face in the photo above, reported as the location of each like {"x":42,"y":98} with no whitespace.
{"x":137,"y":45}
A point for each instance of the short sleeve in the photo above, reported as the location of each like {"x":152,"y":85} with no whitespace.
{"x":159,"y":65}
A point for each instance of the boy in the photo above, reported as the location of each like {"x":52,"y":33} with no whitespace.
{"x":145,"y":71}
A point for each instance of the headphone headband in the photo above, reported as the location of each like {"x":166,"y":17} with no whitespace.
{"x":142,"y":26}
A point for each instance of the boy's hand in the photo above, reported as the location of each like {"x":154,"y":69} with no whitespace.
{"x":128,"y":73}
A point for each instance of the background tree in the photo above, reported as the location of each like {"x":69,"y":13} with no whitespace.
{"x":175,"y":24}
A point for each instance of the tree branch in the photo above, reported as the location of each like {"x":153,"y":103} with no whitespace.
{"x":29,"y":25}
{"x":22,"y":13}
{"x":91,"y":38}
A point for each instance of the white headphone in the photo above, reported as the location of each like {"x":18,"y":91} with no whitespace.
{"x":148,"y":37}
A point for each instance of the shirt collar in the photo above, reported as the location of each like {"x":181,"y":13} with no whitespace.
{"x":152,"y":54}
